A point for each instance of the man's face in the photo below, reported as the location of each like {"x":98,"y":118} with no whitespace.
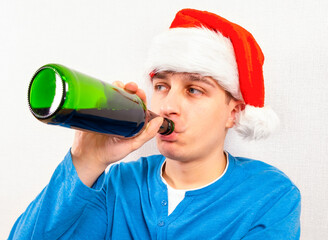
{"x":200,"y":110}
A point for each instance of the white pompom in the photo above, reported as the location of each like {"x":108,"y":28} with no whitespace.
{"x":254,"y":123}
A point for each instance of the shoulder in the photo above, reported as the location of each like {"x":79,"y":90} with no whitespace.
{"x":264,"y":187}
{"x":263,"y":175}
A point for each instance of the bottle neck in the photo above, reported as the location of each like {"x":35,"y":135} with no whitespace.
{"x":151,"y":115}
{"x":167,"y":126}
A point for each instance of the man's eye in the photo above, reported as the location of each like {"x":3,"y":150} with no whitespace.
{"x":195,"y":91}
{"x":159,"y":87}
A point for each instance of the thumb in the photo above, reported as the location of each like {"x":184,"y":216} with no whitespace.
{"x":149,"y":132}
{"x":153,"y":126}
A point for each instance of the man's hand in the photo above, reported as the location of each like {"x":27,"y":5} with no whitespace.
{"x":93,"y":152}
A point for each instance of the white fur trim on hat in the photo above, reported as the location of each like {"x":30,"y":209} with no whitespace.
{"x":255,"y":123}
{"x":196,"y":50}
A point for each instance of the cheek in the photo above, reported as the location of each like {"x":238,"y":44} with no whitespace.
{"x":212,"y":118}
{"x":212,"y":112}
{"x":154,"y":104}
{"x":211,"y":129}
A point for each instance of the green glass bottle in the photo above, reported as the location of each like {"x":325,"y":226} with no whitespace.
{"x":61,"y":96}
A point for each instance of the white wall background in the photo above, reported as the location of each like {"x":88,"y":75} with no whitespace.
{"x":108,"y":39}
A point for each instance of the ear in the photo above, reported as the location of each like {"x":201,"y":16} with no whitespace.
{"x":235,"y":108}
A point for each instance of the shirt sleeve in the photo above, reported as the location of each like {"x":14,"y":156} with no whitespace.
{"x":281,"y":221}
{"x":65,"y":209}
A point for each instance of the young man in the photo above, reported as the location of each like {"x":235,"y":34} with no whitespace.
{"x":207,"y":77}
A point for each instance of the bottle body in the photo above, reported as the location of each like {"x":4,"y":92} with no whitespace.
{"x":61,"y":96}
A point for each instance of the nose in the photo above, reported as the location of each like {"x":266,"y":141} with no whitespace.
{"x":170,"y":104}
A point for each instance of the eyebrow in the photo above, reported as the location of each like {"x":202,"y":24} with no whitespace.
{"x":199,"y":78}
{"x":188,"y":76}
{"x":161,"y":75}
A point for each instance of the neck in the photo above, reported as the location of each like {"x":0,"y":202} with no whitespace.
{"x":195,"y":173}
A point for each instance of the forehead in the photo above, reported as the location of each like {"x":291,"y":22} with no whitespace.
{"x":194,"y":77}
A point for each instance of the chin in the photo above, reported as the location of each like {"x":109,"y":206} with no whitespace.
{"x":172,"y":153}
{"x":176,"y":150}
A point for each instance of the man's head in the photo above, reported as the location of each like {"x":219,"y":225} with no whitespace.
{"x":205,"y":44}
{"x":201,"y":110}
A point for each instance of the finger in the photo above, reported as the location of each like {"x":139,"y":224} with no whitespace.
{"x":150,"y":132}
{"x":141,"y":93}
{"x":118,"y":84}
{"x":131,"y":87}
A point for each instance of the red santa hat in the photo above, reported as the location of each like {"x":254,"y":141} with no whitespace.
{"x":205,"y":43}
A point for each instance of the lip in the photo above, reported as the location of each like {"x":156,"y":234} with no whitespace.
{"x":169,"y":138}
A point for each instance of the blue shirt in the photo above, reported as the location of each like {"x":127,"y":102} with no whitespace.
{"x":252,"y":200}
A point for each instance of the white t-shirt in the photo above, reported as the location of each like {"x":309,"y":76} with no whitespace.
{"x":175,"y":196}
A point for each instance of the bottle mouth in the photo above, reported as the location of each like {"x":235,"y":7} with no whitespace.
{"x":46,"y":93}
{"x":167,"y":127}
